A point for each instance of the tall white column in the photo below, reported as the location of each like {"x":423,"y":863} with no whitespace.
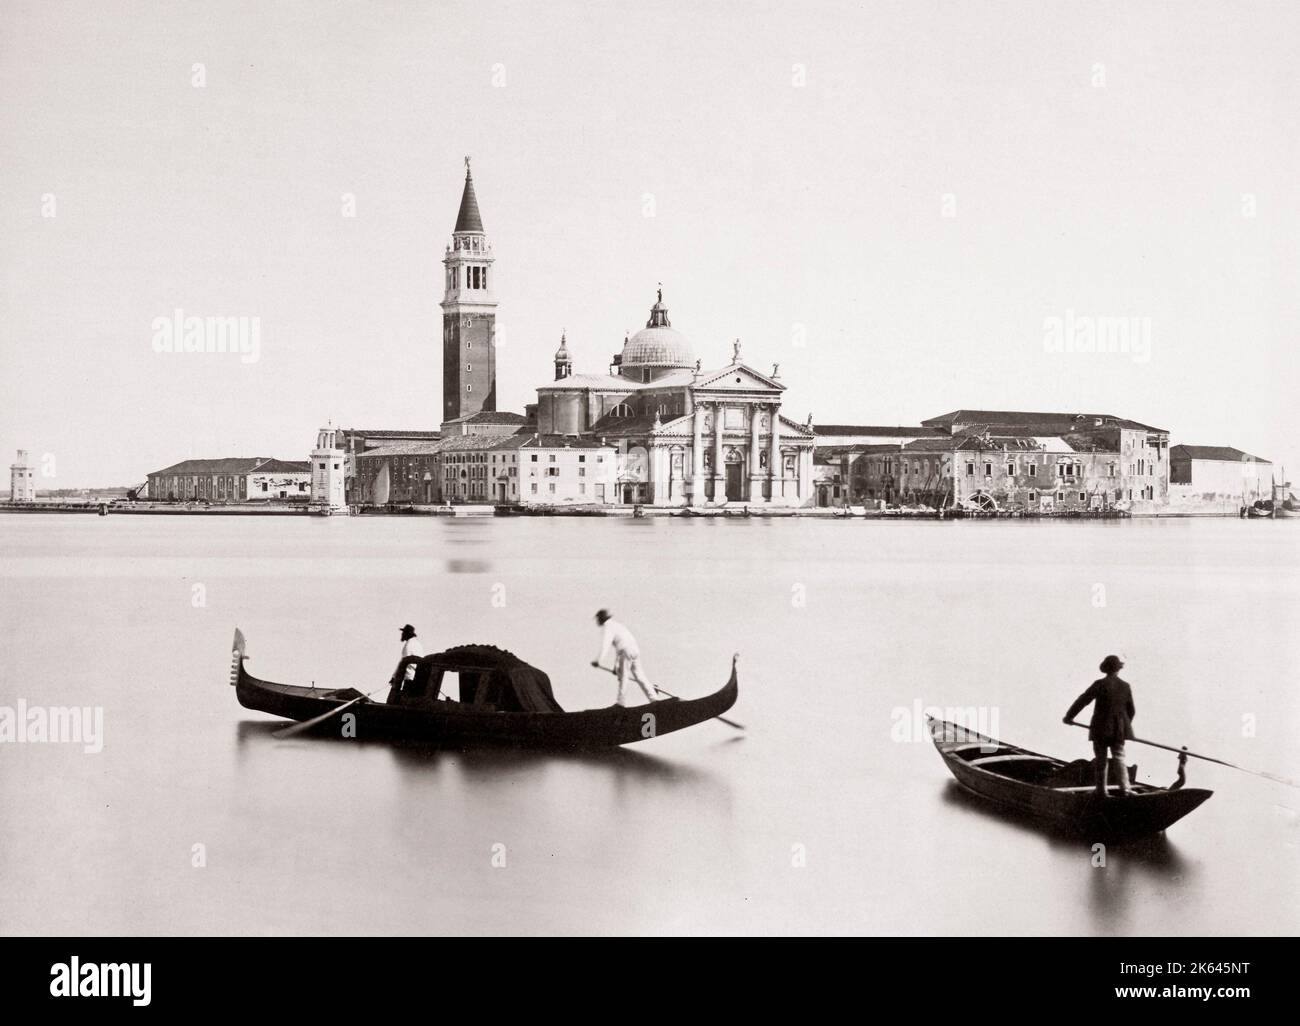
{"x":719,"y":468}
{"x":774,"y":453}
{"x":697,"y":459}
{"x":755,"y":471}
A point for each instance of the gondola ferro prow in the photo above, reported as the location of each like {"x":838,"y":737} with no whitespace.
{"x":238,"y":654}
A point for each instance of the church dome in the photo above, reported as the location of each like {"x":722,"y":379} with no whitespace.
{"x":658,"y":344}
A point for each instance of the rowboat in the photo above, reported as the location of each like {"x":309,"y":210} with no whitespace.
{"x":1055,"y":793}
{"x":500,"y":699}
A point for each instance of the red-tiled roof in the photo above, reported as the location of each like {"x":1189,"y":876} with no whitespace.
{"x":1213,"y":452}
{"x":491,"y":417}
{"x":390,"y":433}
{"x":861,"y":449}
{"x":284,"y":467}
{"x":421,"y":448}
{"x":527,"y":441}
{"x":235,"y":465}
{"x":833,"y":430}
{"x":1020,"y":419}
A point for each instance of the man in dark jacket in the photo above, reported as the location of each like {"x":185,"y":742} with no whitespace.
{"x":1112,"y":722}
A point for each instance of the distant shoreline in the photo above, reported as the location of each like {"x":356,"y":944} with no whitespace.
{"x":107,"y":507}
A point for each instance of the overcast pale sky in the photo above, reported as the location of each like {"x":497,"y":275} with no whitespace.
{"x":912,"y":190}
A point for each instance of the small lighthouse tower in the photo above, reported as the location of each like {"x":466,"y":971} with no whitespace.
{"x":22,"y":487}
{"x":327,"y":473}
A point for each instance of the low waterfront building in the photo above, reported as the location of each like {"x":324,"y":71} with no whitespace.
{"x":232,"y":479}
{"x":22,"y":482}
{"x":461,"y":468}
{"x":1032,"y":462}
{"x":404,"y":473}
{"x":840,"y":465}
{"x":354,"y":441}
{"x":546,"y":470}
{"x":1212,"y":480}
{"x":525,"y":469}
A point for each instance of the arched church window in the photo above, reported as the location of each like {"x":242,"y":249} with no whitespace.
{"x":621,"y":410}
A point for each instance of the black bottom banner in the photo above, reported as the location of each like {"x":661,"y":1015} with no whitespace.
{"x":72,"y":978}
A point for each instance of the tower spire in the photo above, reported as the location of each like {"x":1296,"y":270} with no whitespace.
{"x":468,"y":219}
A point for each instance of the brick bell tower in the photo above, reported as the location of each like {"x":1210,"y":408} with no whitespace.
{"x":469,"y":351}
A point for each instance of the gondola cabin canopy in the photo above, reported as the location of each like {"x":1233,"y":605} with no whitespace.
{"x":486,"y":676}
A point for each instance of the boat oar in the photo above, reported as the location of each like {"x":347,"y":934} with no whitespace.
{"x":729,"y":723}
{"x":298,"y":728}
{"x":1207,"y":758}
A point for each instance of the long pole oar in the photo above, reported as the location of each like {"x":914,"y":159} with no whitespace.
{"x":729,"y":723}
{"x":298,"y":728}
{"x":1206,"y":758}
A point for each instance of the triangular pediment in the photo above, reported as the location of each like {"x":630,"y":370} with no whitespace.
{"x":677,"y":427}
{"x":802,"y":429}
{"x":738,"y":378}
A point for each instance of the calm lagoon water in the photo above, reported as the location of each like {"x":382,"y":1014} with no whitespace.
{"x":818,"y":819}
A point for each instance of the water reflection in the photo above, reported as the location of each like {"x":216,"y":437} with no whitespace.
{"x":468,"y":566}
{"x":1119,"y":872}
{"x":631,"y":772}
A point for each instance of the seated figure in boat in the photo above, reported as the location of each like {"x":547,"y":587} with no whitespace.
{"x":1112,"y":722}
{"x":618,"y":639}
{"x":412,"y":653}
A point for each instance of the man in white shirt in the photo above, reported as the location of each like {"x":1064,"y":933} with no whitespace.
{"x":405,"y":672}
{"x":627,"y":656}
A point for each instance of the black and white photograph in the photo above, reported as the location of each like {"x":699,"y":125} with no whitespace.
{"x":663,"y":470}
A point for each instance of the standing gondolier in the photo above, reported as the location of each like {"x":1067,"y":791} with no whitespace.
{"x":1112,"y":722}
{"x":627,"y":655}
{"x":412,"y":652}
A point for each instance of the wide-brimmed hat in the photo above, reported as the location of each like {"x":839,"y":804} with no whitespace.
{"x":602,"y":615}
{"x":1111,"y":664}
{"x":407,"y":629}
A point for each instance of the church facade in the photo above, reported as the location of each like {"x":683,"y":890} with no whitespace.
{"x":686,"y":436}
